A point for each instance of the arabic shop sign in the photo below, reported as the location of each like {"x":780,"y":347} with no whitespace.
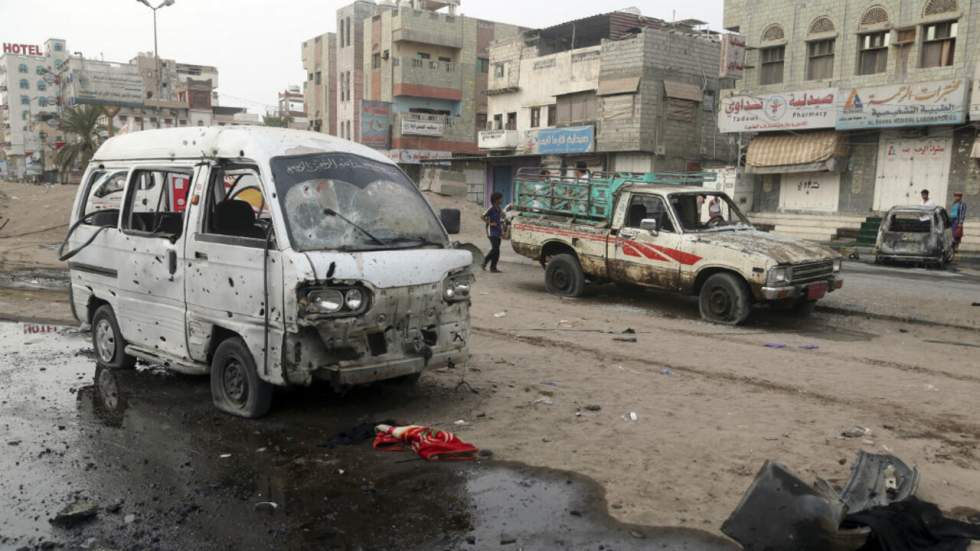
{"x":553,"y":141}
{"x":920,"y":104}
{"x":801,"y":110}
{"x":975,"y":101}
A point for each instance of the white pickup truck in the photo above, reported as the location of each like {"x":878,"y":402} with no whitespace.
{"x":664,"y":231}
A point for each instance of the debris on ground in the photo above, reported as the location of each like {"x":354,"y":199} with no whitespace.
{"x":427,"y":443}
{"x":809,"y":347}
{"x":75,"y":513}
{"x":266,"y":506}
{"x":544,"y":400}
{"x":781,"y":512}
{"x":631,"y":417}
{"x":362,"y":432}
{"x":500,"y":315}
{"x":593,"y":407}
{"x":776,"y":345}
{"x":666,"y":371}
{"x":624,"y":339}
{"x":856,"y":431}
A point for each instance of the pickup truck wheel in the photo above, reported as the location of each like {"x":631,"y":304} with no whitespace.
{"x":110,"y":348}
{"x":235,"y":384}
{"x":724,"y":299}
{"x":564,"y":276}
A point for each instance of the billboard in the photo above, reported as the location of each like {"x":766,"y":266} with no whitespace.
{"x":100,"y":83}
{"x":376,"y":124}
{"x":732,"y":56}
{"x":552,"y":141}
{"x":422,"y":127}
{"x":801,"y":110}
{"x":920,"y":104}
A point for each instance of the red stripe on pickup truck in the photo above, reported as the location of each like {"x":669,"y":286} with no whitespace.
{"x":630,"y":247}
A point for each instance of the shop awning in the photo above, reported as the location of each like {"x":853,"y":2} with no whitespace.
{"x":681,"y":90}
{"x":806,"y":152}
{"x":618,"y":86}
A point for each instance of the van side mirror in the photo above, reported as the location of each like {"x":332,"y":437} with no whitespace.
{"x":651,"y":225}
{"x":450,"y":219}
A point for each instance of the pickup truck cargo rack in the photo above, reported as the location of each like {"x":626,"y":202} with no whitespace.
{"x":541,"y":191}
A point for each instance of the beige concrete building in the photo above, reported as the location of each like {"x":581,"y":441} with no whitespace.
{"x":320,"y":87}
{"x":849,"y":108}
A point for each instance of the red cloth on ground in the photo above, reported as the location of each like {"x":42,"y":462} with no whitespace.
{"x":429,"y":444}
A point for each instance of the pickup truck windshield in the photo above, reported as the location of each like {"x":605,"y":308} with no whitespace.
{"x":707,"y":212}
{"x":339,"y":201}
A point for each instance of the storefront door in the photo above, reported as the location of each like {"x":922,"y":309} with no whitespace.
{"x":503,"y":183}
{"x":809,"y":191}
{"x":906,"y":166}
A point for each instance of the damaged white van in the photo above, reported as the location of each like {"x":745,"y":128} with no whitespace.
{"x":263,"y":257}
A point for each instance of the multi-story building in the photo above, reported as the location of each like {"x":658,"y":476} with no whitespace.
{"x":320,"y":88}
{"x":430,"y":67}
{"x":290,"y":107}
{"x":615,"y":91}
{"x":28,"y":98}
{"x":849,"y":108}
{"x":350,"y":66}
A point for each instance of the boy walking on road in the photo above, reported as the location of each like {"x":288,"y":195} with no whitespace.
{"x":493,"y":217}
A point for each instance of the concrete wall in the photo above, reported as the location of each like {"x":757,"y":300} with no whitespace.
{"x":795,"y":18}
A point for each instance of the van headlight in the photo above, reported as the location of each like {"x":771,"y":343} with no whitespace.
{"x":336,"y":302}
{"x":456,"y":288}
{"x":778,"y":276}
{"x":837,"y":264}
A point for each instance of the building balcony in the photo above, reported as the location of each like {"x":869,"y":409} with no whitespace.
{"x":498,"y":139}
{"x":423,"y":125}
{"x":427,"y":78}
{"x":427,"y":27}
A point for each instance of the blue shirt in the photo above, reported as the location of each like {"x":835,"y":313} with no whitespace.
{"x":493,"y":216}
{"x":957,"y":212}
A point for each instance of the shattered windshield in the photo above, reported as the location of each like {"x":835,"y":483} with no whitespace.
{"x":708,"y":212}
{"x":339,"y":201}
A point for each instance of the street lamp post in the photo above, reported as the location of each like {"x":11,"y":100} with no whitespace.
{"x":156,"y":53}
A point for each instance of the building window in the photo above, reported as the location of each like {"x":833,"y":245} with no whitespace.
{"x":376,"y":61}
{"x":498,"y":70}
{"x":580,"y":107}
{"x":820,"y":59}
{"x":483,"y":65}
{"x":317,"y":78}
{"x":535,"y":117}
{"x":552,"y":115}
{"x":40,"y":70}
{"x":24,"y":115}
{"x":498,"y":122}
{"x":341,"y":29}
{"x":25,"y":100}
{"x":445,"y":59}
{"x":938,"y":44}
{"x":24,"y":85}
{"x":42,"y":101}
{"x":22,"y":68}
{"x":481,"y":121}
{"x":41,"y":85}
{"x":772,"y":65}
{"x":873,"y":53}
{"x":422,"y":55}
{"x":511,"y":121}
{"x":58,"y":46}
{"x":348,"y":32}
{"x":708,"y":101}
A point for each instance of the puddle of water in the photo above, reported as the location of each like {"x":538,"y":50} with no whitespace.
{"x":185,"y":476}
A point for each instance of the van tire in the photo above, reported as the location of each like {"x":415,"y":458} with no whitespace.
{"x":725,"y":299}
{"x":563,"y":276}
{"x":107,"y":340}
{"x":235,"y":384}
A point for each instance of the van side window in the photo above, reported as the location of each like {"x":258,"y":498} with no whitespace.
{"x":648,"y":207}
{"x":235,"y":204}
{"x":104,"y":199}
{"x":156,"y":202}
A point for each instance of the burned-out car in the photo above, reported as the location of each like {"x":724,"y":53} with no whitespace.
{"x":921,"y":235}
{"x":263,"y":257}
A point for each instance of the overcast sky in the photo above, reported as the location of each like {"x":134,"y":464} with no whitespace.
{"x":255,"y":44}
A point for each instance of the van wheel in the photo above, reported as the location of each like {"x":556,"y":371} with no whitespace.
{"x":564,"y":277}
{"x":724,"y":299}
{"x":110,"y":348}
{"x":235,"y":384}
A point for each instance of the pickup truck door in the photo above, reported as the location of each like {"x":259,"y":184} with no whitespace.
{"x":641,"y":256}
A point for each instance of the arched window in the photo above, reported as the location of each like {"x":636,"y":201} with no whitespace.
{"x":24,"y":85}
{"x":773,"y":32}
{"x":820,"y":51}
{"x":873,"y":45}
{"x":41,"y":85}
{"x":22,"y":68}
{"x":936,"y":7}
{"x":25,"y":100}
{"x":42,"y":101}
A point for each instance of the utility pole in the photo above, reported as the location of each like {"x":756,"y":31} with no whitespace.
{"x":156,"y":52}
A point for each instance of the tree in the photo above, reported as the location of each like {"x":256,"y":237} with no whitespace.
{"x":82,"y":128}
{"x":277,"y":121}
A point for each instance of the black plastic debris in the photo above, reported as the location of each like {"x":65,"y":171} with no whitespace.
{"x":878,"y":480}
{"x":913,"y":525}
{"x":780,"y":512}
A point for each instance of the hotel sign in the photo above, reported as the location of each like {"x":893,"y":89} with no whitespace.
{"x":802,"y":110}
{"x":21,"y":49}
{"x":920,"y":104}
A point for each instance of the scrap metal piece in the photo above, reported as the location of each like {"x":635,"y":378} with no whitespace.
{"x":780,"y":512}
{"x":877,"y":481}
